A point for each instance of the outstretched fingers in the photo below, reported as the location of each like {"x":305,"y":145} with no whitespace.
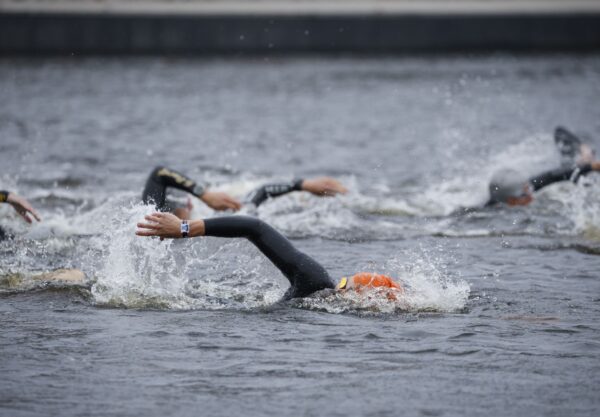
{"x":146,"y":232}
{"x":151,"y":226}
{"x":154,"y":217}
{"x":24,"y":215}
{"x":164,"y":225}
{"x":25,"y":209}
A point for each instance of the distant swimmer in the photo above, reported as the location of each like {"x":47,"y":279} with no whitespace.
{"x":62,"y":276}
{"x":508,"y":186}
{"x":161,"y":178}
{"x":21,"y":206}
{"x":306,"y":276}
{"x":74,"y":276}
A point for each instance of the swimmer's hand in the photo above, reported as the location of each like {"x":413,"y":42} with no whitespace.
{"x":595,"y":165}
{"x":22,"y":207}
{"x":167,"y":226}
{"x":220,"y":201}
{"x":586,"y":155}
{"x":324,"y":186}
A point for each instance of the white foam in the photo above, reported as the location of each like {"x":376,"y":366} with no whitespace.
{"x":135,"y":271}
{"x":428,"y":287}
{"x":581,"y":204}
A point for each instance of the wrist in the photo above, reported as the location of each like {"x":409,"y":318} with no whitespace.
{"x":205,"y":197}
{"x":298,"y":184}
{"x":199,"y":190}
{"x":196,"y":228}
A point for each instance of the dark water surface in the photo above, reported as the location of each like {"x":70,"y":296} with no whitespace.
{"x":502,"y":305}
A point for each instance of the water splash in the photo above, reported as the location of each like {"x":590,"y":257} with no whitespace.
{"x":213,"y":273}
{"x":581,"y":204}
{"x":428,"y":287}
{"x":146,"y":272}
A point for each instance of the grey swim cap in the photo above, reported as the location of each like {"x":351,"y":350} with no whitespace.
{"x":505,"y":184}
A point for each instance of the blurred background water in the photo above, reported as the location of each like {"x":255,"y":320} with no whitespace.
{"x":502,"y":305}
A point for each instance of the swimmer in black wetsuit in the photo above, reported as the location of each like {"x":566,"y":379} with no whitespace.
{"x":509,"y":187}
{"x":161,"y":178}
{"x":306,"y":275}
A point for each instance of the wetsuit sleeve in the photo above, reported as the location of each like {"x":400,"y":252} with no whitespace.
{"x":4,"y":196}
{"x":304,"y":273}
{"x":557,"y":175}
{"x":261,"y":194}
{"x":160,"y":179}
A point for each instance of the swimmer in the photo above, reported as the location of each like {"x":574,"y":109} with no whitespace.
{"x":73,"y":276}
{"x":509,"y":187}
{"x":62,"y":276}
{"x":161,"y":178}
{"x":306,"y":276}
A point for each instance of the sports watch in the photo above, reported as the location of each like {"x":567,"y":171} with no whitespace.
{"x":185,"y":228}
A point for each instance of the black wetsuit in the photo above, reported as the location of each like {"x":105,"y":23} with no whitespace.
{"x":306,"y":275}
{"x":155,"y":191}
{"x":557,"y":175}
{"x":262,"y":194}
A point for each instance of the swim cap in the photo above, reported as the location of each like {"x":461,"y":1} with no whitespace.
{"x":505,"y":184}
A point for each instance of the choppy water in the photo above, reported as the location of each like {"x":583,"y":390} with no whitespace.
{"x":502,"y":306}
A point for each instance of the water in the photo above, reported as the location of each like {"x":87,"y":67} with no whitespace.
{"x":502,"y":305}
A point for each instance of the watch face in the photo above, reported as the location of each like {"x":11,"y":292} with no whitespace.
{"x":198,"y":189}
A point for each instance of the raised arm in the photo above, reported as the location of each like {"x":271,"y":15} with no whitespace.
{"x":304,"y":273}
{"x":161,"y":178}
{"x":324,"y":186}
{"x":20,"y":205}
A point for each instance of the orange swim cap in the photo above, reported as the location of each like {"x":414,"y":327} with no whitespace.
{"x":368,"y":280}
{"x":372,"y":280}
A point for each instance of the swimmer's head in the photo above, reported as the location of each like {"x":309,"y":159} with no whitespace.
{"x":508,"y":186}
